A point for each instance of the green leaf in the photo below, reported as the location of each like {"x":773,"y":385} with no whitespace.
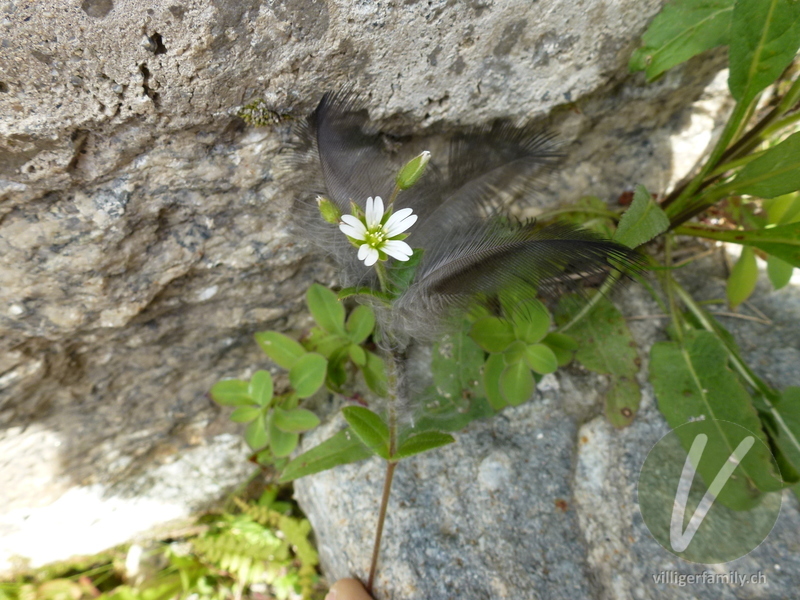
{"x":341,"y":449}
{"x":492,"y":333}
{"x":779,"y":271}
{"x":540,"y":358}
{"x":231,"y":392}
{"x":517,"y":384}
{"x":515,"y":352}
{"x":492,"y":372}
{"x":369,"y":428}
{"x":261,"y":387}
{"x":605,"y":344}
{"x":562,"y":345}
{"x":743,"y":278}
{"x":328,"y":345}
{"x":308,"y":374}
{"x":255,"y":434}
{"x":787,"y":434}
{"x":693,"y":382}
{"x":643,"y":221}
{"x":296,"y":420}
{"x":683,"y":29}
{"x":774,"y":173}
{"x":783,"y":210}
{"x":530,"y":321}
{"x":782,"y":241}
{"x":375,"y":374}
{"x":360,"y":323}
{"x":245,"y":414}
{"x":422,"y":442}
{"x":357,"y":354}
{"x":401,"y":273}
{"x":326,"y":309}
{"x":283,"y":350}
{"x":766,"y":36}
{"x":622,"y":401}
{"x":455,"y":364}
{"x":281,"y":442}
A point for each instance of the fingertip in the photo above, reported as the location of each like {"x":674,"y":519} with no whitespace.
{"x":348,"y":589}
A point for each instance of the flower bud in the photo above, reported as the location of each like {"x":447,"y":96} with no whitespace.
{"x":329,"y":211}
{"x":410,"y":174}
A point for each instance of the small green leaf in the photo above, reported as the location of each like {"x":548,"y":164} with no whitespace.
{"x":255,"y":434}
{"x":281,"y":442}
{"x":530,"y":320}
{"x":308,"y":374}
{"x":422,"y":442}
{"x":779,"y":271}
{"x":683,"y":29}
{"x":766,"y":36}
{"x":492,"y":372}
{"x":562,"y":345}
{"x":357,"y":354}
{"x":515,"y":352}
{"x":517,"y":384}
{"x":492,"y":333}
{"x":329,"y":345}
{"x":540,"y":358}
{"x":231,"y":392}
{"x":283,"y":350}
{"x":622,"y":401}
{"x":375,"y":374}
{"x":341,"y":449}
{"x":742,"y":280}
{"x":643,"y":220}
{"x":326,"y":309}
{"x":245,"y":414}
{"x":370,"y":429}
{"x":261,"y":387}
{"x":360,"y":323}
{"x":297,"y":420}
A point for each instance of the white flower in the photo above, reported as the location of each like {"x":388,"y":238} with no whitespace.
{"x":379,"y":232}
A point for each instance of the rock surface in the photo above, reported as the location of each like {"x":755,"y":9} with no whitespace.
{"x":143,"y":228}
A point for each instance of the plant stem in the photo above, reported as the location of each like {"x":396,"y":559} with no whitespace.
{"x":387,"y":490}
{"x":380,"y":269}
{"x":393,"y":366}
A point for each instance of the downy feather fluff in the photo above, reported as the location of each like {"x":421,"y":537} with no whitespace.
{"x":471,"y":247}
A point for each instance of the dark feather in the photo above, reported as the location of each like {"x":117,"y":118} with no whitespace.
{"x":470,"y":248}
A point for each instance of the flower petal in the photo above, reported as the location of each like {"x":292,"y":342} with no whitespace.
{"x":363,"y":251}
{"x":372,"y":256}
{"x":399,"y":222}
{"x":374,"y":212}
{"x":353,"y":227}
{"x":397,"y":249}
